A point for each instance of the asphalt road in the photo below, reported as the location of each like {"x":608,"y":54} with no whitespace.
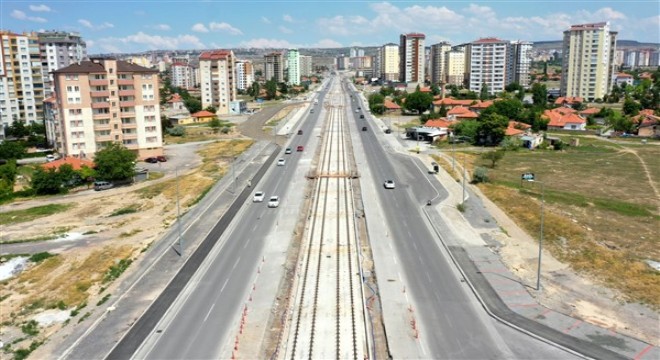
{"x":200,"y":321}
{"x":455,"y":325}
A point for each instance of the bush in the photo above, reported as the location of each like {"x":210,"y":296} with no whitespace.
{"x":177,"y":131}
{"x":225,"y":130}
{"x":480,"y":175}
{"x":511,"y":143}
{"x":30,"y":328}
{"x":39,"y":257}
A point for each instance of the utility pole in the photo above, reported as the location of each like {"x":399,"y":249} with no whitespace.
{"x":538,"y":273}
{"x":178,"y":212}
{"x":464,"y":176}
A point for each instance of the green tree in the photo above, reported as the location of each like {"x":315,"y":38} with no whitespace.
{"x":442,"y":111}
{"x":631,"y":107}
{"x":517,"y":90}
{"x":468,"y":129}
{"x":46,"y":182}
{"x":18,"y":129}
{"x":483,"y":95}
{"x":509,"y":108}
{"x":418,"y":101}
{"x":271,"y":89}
{"x":115,"y":162}
{"x":375,"y":99}
{"x":254,"y":90}
{"x":283,"y":87}
{"x":87,"y":173}
{"x":435,"y":90}
{"x":215,"y":125}
{"x":7,"y":177}
{"x":492,"y":128}
{"x":493,"y":156}
{"x":386,"y":90}
{"x":211,"y":109}
{"x":618,"y":122}
{"x":193,"y":105}
{"x":539,"y":95}
{"x":11,"y":150}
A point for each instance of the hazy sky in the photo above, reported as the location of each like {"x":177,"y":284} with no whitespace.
{"x":140,"y":25}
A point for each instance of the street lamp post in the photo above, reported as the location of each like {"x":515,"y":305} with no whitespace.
{"x":178,"y":212}
{"x":530,"y":178}
{"x":464,"y":176}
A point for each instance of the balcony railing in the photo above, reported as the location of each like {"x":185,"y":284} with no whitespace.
{"x":127,"y":92}
{"x":103,"y":93}
{"x":131,"y":136}
{"x":98,"y":82}
{"x":100,"y":138}
{"x":100,"y":105}
{"x":102,"y":126}
{"x":130,"y":103}
{"x":125,"y":81}
{"x":101,"y":116}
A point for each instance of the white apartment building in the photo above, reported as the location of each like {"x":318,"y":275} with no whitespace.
{"x":455,"y":67}
{"x":521,"y":62}
{"x":21,"y":80}
{"x":182,"y":75}
{"x":104,"y":101}
{"x":438,"y":62}
{"x":389,"y":62}
{"x":293,"y":66}
{"x":488,"y":61}
{"x":588,"y":61}
{"x":412,"y":58}
{"x":306,"y":68}
{"x":244,"y":74}
{"x":59,"y":49}
{"x":274,"y":67}
{"x":217,"y":75}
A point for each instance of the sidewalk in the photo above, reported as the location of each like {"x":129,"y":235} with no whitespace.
{"x":505,"y":296}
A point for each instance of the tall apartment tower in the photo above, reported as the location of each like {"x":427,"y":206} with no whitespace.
{"x":521,"y":62}
{"x":274,"y":66}
{"x":455,"y":66}
{"x":244,"y":74}
{"x":21,"y":80}
{"x":59,"y":49}
{"x":183,"y":75}
{"x":217,"y":75}
{"x":411,"y":58}
{"x":588,"y":61}
{"x":293,"y":62}
{"x":389,"y":62}
{"x":487,"y":59}
{"x":104,"y":101}
{"x":305,"y":65}
{"x":438,"y":62}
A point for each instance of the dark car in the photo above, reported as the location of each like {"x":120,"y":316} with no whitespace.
{"x":388,"y":131}
{"x":364,"y":128}
{"x":300,"y":132}
{"x":151,"y":160}
{"x":161,"y":158}
{"x":361,"y":116}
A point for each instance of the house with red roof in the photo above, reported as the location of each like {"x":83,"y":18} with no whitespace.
{"x":76,"y":163}
{"x":176,"y":102}
{"x":648,"y":125}
{"x":589,"y":111}
{"x":568,"y":100}
{"x":560,"y":119}
{"x":203,"y":116}
{"x":391,"y":106}
{"x":461,"y":113}
{"x":623,"y":78}
{"x":480,"y":106}
{"x":516,"y":128}
{"x":450,"y":103}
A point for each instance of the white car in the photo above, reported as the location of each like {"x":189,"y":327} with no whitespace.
{"x":274,"y":202}
{"x":258,"y":196}
{"x":281,"y":162}
{"x":389,"y":184}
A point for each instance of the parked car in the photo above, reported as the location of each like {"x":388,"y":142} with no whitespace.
{"x":300,"y":148}
{"x":258,"y":196}
{"x":274,"y":202}
{"x":389,"y":184}
{"x":161,"y":158}
{"x":102,"y":185}
{"x":151,"y":160}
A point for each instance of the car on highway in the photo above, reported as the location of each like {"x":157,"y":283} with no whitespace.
{"x":300,"y":132}
{"x":357,"y":111}
{"x":274,"y":202}
{"x":151,"y":160}
{"x":287,"y":151}
{"x":389,"y":184}
{"x":161,"y":158}
{"x":364,"y":128}
{"x":311,"y":111}
{"x":258,"y":196}
{"x":361,"y":116}
{"x":281,"y":162}
{"x":300,"y":148}
{"x":388,"y":131}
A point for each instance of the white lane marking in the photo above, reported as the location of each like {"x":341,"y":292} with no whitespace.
{"x":209,"y":313}
{"x":395,"y":263}
{"x":223,"y":285}
{"x":236,"y":263}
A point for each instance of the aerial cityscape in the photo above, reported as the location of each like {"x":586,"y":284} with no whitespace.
{"x":262,"y":179}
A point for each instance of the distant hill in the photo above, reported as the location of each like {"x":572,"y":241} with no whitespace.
{"x":628,"y":44}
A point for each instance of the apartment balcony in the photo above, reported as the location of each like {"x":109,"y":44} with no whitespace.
{"x":101,"y":116}
{"x":100,"y":127}
{"x":103,"y":138}
{"x":126,"y":92}
{"x":129,"y":125}
{"x":132,"y":146}
{"x":131,"y":136}
{"x":127,"y":103}
{"x":98,"y":82}
{"x":124,"y":81}
{"x":104,"y":93}
{"x":100,"y":105}
{"x":128,"y":113}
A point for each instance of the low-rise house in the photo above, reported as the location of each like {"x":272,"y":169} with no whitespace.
{"x":648,"y":124}
{"x":623,"y":78}
{"x":461,"y":113}
{"x":516,"y":128}
{"x":568,"y":100}
{"x":561,"y":119}
{"x":76,"y":163}
{"x":176,"y":103}
{"x":203,"y":116}
{"x":450,"y":103}
{"x":481,"y":106}
{"x":391,"y":106}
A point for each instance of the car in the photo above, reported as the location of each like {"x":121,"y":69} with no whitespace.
{"x":359,"y":108}
{"x":300,"y":132}
{"x":281,"y":162}
{"x":364,"y":128}
{"x":311,"y":111}
{"x":274,"y":202}
{"x":161,"y":158}
{"x":357,"y":111}
{"x":258,"y":196}
{"x":388,"y":131}
{"x":151,"y":160}
{"x":287,"y":151}
{"x":300,"y":148}
{"x":389,"y":184}
{"x":102,"y":185}
{"x":361,"y":116}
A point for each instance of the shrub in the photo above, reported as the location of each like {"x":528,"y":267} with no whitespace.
{"x":480,"y":175}
{"x":30,"y":328}
{"x":177,"y":131}
{"x":511,"y":143}
{"x":225,"y":130}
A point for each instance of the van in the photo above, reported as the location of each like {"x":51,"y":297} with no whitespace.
{"x":102,"y":185}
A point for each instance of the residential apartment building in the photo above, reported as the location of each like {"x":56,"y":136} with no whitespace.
{"x":59,"y":49}
{"x":389,"y":62}
{"x":217,"y":77}
{"x":306,"y":68}
{"x":21,"y":80}
{"x":293,"y":66}
{"x":438,"y":62}
{"x":182,"y":75}
{"x":455,"y":67}
{"x":376,"y":64}
{"x":274,"y":67}
{"x":487,"y":63}
{"x":521,"y":62}
{"x":104,"y":101}
{"x":588,"y":61}
{"x":343,"y":62}
{"x":412,"y":58}
{"x":244,"y":74}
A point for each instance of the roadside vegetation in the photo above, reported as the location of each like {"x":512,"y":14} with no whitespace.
{"x":18,"y":216}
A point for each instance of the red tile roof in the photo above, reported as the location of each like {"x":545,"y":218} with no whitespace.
{"x":214,"y":55}
{"x":488,"y":41}
{"x":203,"y":113}
{"x":454,"y":102}
{"x":482,"y":104}
{"x":568,"y":100}
{"x":590,"y":111}
{"x":425,"y":89}
{"x":391,"y":105}
{"x":559,"y":119}
{"x":175,"y":98}
{"x":439,"y":123}
{"x":76,"y":163}
{"x":623,"y":75}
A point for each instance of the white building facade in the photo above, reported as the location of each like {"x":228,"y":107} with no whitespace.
{"x":217,"y":77}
